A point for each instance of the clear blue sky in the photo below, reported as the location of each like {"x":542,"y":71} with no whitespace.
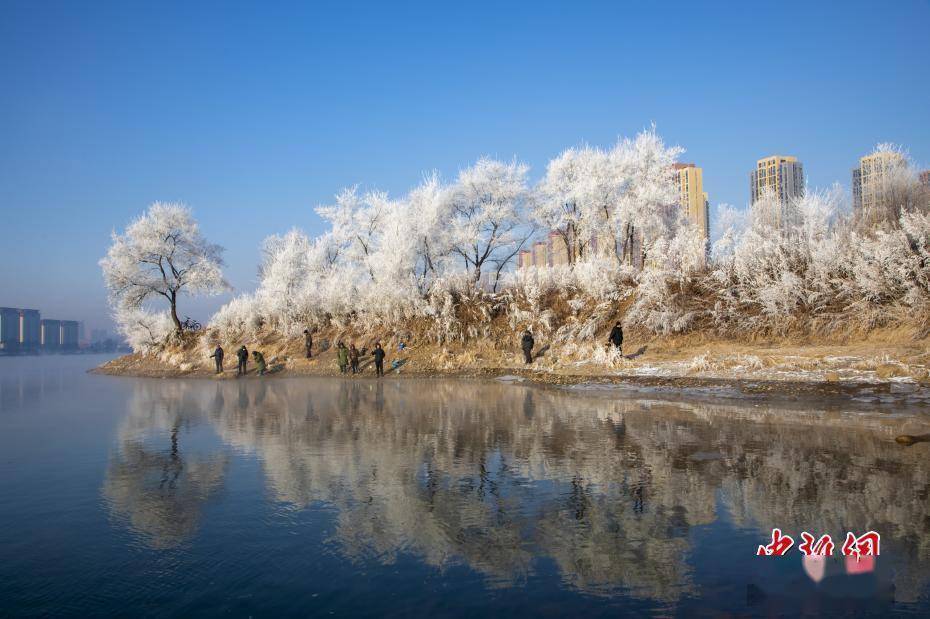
{"x":253,"y":114}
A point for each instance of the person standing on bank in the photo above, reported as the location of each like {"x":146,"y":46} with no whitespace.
{"x":259,"y":362}
{"x":243,"y":356}
{"x":343,"y":355}
{"x":527,"y":343}
{"x":217,"y":357}
{"x":378,"y":353}
{"x":308,"y":342}
{"x":616,"y":337}
{"x":353,"y":358}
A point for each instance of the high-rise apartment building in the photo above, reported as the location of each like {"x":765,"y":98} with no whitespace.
{"x":547,"y":253}
{"x":692,"y":197}
{"x":51,"y":334}
{"x":70,"y":334}
{"x":781,"y":175}
{"x":9,"y":329}
{"x":29,"y":330}
{"x":870,"y":181}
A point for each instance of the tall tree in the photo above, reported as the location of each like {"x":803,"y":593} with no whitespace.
{"x":162,"y":254}
{"x":488,"y":224}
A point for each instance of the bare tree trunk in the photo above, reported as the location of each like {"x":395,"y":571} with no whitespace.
{"x":174,"y":311}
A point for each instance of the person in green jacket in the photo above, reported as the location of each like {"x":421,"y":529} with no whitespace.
{"x":343,"y":357}
{"x":259,"y":362}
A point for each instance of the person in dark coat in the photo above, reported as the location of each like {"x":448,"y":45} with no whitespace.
{"x":527,"y":343}
{"x":259,"y":362}
{"x":217,"y":357}
{"x":343,"y":355}
{"x":353,"y":358}
{"x":616,"y":337}
{"x":308,"y":343}
{"x":243,"y":355}
{"x":378,"y":353}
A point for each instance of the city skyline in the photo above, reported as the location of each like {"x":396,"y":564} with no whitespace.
{"x":101,"y":122}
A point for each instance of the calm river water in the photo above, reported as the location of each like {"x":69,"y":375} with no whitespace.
{"x":296,"y":497}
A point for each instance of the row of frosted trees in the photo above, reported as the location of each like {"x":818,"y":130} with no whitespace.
{"x":445,"y":246}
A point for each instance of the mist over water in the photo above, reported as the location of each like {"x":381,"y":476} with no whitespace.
{"x":307,"y":496}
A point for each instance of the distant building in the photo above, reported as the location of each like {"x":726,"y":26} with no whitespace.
{"x":100,"y":335}
{"x":557,"y":249}
{"x":9,"y":329}
{"x":50,"y":335}
{"x":781,"y":175}
{"x":540,"y":254}
{"x":870,"y":179}
{"x":546,"y":253}
{"x":69,"y":334}
{"x":692,"y":197}
{"x":30,"y":334}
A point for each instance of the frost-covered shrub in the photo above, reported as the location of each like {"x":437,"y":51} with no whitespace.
{"x":238,"y":320}
{"x":145,"y":331}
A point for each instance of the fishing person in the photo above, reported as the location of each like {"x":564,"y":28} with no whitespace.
{"x":217,"y":357}
{"x":527,"y":343}
{"x":353,"y":358}
{"x":616,"y":337}
{"x":243,"y":356}
{"x":308,"y":343}
{"x":343,"y":355}
{"x":259,"y":362}
{"x":378,"y":353}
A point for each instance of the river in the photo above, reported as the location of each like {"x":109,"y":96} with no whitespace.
{"x":408,"y":497}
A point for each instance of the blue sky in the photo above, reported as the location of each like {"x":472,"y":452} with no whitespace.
{"x":254,"y":113}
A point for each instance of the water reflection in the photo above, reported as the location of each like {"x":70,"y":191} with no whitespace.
{"x":152,"y":482}
{"x":500,"y":477}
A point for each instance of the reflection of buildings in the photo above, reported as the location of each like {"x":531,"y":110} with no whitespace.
{"x":492,"y":476}
{"x":24,"y":331}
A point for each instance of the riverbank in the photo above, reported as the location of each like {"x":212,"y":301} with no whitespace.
{"x":872,"y":373}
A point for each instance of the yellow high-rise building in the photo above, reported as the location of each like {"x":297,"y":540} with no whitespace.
{"x":692,"y":197}
{"x":782,"y":175}
{"x":540,"y":254}
{"x":558,"y":250}
{"x":870,"y":179}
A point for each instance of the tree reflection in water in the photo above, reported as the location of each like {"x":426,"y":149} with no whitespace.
{"x":161,"y":491}
{"x":496,"y":476}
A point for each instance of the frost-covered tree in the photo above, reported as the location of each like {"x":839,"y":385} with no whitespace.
{"x":489,"y":222}
{"x":161,"y":254}
{"x":645,"y":207}
{"x":621,"y":200}
{"x":562,"y":205}
{"x":429,"y":212}
{"x":894,"y":189}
